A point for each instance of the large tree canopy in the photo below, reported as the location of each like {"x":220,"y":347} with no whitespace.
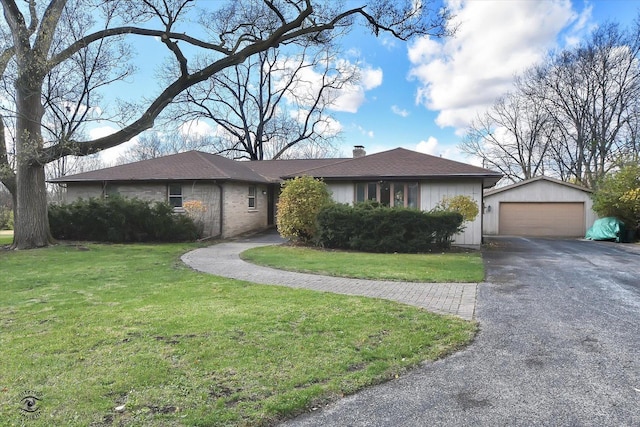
{"x":573,"y":116}
{"x":58,"y":58}
{"x":275,"y":103}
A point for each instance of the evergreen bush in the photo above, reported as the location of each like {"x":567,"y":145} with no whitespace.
{"x":370,"y":227}
{"x":117,"y":219}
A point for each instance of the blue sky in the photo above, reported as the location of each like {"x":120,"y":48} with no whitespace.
{"x":430,"y":89}
{"x":422,"y":94}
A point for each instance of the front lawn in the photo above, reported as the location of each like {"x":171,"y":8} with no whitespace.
{"x":87,"y":329}
{"x":433,"y":268}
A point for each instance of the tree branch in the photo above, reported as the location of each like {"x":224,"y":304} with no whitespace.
{"x":16,"y":22}
{"x":111,"y":32}
{"x":7,"y":174}
{"x":47,"y":28}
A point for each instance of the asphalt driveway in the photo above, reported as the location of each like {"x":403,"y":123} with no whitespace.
{"x":559,"y":346}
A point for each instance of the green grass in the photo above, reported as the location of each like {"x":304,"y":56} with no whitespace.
{"x":432,"y":268}
{"x":89,"y":328}
{"x":6,"y":237}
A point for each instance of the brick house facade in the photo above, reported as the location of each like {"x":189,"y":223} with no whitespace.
{"x":237,"y":197}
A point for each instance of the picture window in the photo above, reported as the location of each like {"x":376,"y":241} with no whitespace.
{"x":389,"y":193}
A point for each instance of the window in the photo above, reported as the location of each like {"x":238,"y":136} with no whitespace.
{"x":372,"y":191}
{"x":175,"y":195}
{"x":389,"y":193}
{"x":252,"y":197}
{"x":398,"y":195}
{"x":360,"y":192}
{"x":110,"y":190}
{"x":411,"y":198}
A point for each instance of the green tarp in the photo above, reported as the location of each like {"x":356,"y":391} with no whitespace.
{"x":606,"y":229}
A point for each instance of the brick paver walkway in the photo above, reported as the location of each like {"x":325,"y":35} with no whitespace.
{"x":222,"y":259}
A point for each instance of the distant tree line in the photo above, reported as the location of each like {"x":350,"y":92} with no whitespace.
{"x":575,"y":117}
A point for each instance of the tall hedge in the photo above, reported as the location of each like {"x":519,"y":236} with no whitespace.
{"x":369,"y":227}
{"x":118,"y":220}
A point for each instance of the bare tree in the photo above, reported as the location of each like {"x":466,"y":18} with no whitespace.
{"x":512,"y":137}
{"x":274,"y":101}
{"x":592,"y":94}
{"x":151,"y":145}
{"x":66,"y":166}
{"x":38,"y":46}
{"x":311,"y":150}
{"x":574,"y":116}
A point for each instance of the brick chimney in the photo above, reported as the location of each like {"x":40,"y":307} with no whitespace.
{"x":358,"y":151}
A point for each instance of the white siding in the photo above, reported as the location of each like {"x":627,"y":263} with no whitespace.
{"x":535,"y":191}
{"x":432,"y":193}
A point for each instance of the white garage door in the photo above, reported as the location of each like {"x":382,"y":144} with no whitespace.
{"x":542,"y":219}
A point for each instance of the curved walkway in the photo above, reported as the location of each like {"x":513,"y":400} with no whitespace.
{"x":223,"y":259}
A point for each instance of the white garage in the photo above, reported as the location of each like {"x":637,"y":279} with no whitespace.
{"x":540,"y":206}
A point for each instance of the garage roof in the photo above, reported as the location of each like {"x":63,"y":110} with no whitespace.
{"x":532,"y":180}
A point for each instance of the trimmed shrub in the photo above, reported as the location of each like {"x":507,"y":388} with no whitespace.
{"x":336,"y":225}
{"x":369,"y":227}
{"x":119,"y":220}
{"x":300,"y":201}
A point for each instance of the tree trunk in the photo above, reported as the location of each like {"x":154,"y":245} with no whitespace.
{"x":31,"y":227}
{"x":31,"y":224}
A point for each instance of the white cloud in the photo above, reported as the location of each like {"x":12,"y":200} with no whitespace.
{"x":423,"y":50}
{"x":496,"y":40}
{"x":329,"y":127}
{"x":399,"y":111}
{"x":109,"y":156}
{"x":450,"y":152}
{"x":388,"y":42}
{"x":363,"y":131}
{"x":428,"y":147}
{"x":102,"y":131}
{"x":453,"y":153}
{"x":371,"y":77}
{"x":308,"y":82}
{"x":352,"y":95}
{"x":196,"y":128}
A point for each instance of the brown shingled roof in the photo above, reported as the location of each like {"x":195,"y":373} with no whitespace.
{"x":190,"y":165}
{"x":400,"y":163}
{"x":275,"y":169}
